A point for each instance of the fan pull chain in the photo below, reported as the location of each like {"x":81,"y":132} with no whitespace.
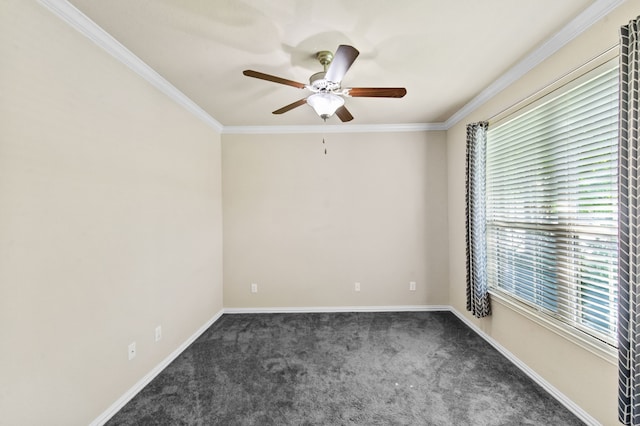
{"x":324,"y":144}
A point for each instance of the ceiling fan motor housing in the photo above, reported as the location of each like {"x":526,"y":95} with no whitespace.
{"x":317,"y":81}
{"x":319,"y":84}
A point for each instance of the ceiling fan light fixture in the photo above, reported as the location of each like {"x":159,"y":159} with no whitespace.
{"x":325,"y":104}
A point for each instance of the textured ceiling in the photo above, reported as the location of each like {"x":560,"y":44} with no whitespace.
{"x":443,"y":52}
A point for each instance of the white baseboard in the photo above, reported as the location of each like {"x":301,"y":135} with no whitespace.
{"x":562,"y":398}
{"x":116,"y":406}
{"x":329,"y":309}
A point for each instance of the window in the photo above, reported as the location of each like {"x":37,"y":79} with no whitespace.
{"x":552,"y":205}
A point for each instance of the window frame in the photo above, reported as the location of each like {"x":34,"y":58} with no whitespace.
{"x":603,"y":347}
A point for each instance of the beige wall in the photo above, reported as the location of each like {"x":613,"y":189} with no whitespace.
{"x":306,"y":226}
{"x":110,"y":223}
{"x":585,"y":378}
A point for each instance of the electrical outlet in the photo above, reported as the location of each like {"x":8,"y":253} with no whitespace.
{"x":357,"y":287}
{"x":158,"y":333}
{"x":412,"y":286}
{"x":254,"y":288}
{"x":132,"y":351}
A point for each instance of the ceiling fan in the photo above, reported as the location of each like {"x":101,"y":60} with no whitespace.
{"x":327,"y":96}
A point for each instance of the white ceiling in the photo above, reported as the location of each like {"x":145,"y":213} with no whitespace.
{"x":444,"y":52}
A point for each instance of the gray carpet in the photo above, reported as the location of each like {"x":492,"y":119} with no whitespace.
{"x":409,"y":368}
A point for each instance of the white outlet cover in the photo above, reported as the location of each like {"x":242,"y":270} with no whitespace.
{"x":132,"y":350}
{"x":254,"y":288}
{"x":158,"y":333}
{"x":357,"y":286}
{"x":412,"y":286}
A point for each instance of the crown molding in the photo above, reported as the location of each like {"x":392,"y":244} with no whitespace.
{"x":335,"y":128}
{"x":77,"y":20}
{"x":80,"y":22}
{"x":598,"y":10}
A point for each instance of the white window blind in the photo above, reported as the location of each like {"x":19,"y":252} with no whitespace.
{"x":552,"y":215}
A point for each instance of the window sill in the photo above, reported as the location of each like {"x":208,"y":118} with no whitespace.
{"x":591,"y":344}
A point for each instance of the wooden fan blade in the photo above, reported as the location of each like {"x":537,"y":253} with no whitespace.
{"x":342,"y":60}
{"x":291,"y":106}
{"x":376,"y":92}
{"x":343,"y":114}
{"x":268,"y":77}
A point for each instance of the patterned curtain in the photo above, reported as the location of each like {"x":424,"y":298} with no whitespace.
{"x":477,"y":289}
{"x":629,"y":228}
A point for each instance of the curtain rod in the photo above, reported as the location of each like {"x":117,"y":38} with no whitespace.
{"x":522,"y":103}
